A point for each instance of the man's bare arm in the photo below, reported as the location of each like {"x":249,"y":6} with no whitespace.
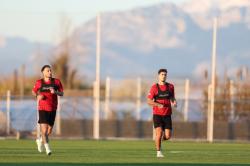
{"x":37,"y":95}
{"x":153,"y":103}
{"x":58,"y":93}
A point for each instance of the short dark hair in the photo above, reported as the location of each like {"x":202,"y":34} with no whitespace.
{"x":45,"y":66}
{"x":162,"y":70}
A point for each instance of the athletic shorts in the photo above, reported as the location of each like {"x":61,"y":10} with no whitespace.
{"x":47,"y":117}
{"x":165,"y":122}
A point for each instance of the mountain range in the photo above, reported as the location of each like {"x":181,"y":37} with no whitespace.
{"x":140,"y":41}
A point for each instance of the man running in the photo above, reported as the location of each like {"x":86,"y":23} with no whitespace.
{"x":46,"y":91}
{"x":161,"y":97}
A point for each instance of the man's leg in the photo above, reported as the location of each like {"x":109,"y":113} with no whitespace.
{"x":45,"y":137}
{"x":167,"y":134}
{"x":39,"y":140}
{"x":52,"y":117}
{"x":50,"y":129}
{"x":44,"y":132}
{"x":167,"y":128}
{"x":158,"y":135}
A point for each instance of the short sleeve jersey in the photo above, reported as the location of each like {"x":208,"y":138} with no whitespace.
{"x":166,"y":110}
{"x":49,"y":103}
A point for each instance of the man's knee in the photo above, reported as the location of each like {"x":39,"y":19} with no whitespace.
{"x":158,"y":133}
{"x":167,"y":137}
{"x":49,"y":132}
{"x":43,"y":131}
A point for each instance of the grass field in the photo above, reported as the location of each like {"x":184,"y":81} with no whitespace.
{"x":121,"y":153}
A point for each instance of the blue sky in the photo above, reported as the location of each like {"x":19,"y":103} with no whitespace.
{"x":39,"y":20}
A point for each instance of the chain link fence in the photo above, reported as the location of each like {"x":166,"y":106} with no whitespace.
{"x":119,"y":114}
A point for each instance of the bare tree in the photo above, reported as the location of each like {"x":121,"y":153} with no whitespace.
{"x":61,"y":62}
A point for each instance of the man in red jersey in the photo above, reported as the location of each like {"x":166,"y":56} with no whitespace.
{"x":161,"y":97}
{"x":46,"y":91}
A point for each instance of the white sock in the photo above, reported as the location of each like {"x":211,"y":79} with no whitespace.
{"x":46,"y":145}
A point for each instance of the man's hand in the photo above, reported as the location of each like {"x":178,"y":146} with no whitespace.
{"x":174,"y":103}
{"x":40,"y":97}
{"x":160,"y":105}
{"x":154,"y":104}
{"x":52,"y":90}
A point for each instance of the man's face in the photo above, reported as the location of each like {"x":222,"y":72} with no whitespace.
{"x":47,"y":73}
{"x":162,"y":76}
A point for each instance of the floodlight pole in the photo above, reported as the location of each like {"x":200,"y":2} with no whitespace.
{"x":96,"y":115}
{"x":210,"y":126}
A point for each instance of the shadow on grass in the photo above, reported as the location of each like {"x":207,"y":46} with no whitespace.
{"x":119,"y":164}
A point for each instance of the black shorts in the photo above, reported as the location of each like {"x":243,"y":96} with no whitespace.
{"x":165,"y":122}
{"x":47,"y":117}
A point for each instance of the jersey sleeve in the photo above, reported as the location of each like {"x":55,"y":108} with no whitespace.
{"x":60,"y":86}
{"x":151,"y":93}
{"x":172,"y":91}
{"x":36,"y":86}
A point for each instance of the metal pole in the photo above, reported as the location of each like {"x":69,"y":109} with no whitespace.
{"x":186,"y":100}
{"x":97,"y":82}
{"x":22,"y":81}
{"x":15,"y":81}
{"x":38,"y":133}
{"x":232,"y":92}
{"x":153,"y":136}
{"x":208,"y":110}
{"x":58,"y":117}
{"x":211,"y":124}
{"x":138,"y":100}
{"x":107,"y":98}
{"x":8,"y":112}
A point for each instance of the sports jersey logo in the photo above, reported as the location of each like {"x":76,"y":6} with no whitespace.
{"x":47,"y":88}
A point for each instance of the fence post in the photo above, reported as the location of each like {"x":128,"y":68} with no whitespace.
{"x":232,"y":109}
{"x":8,"y":112}
{"x":22,"y":81}
{"x":58,"y":117}
{"x":138,"y":99}
{"x":107,"y":99}
{"x":38,"y":133}
{"x":186,"y":104}
{"x":153,"y":133}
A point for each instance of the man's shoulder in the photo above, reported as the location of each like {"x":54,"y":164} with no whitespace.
{"x":37,"y":84}
{"x":57,"y":81}
{"x":39,"y":80}
{"x":170,"y":84}
{"x":154,"y":86}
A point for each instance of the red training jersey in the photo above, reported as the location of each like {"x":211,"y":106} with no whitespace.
{"x":166,"y":110}
{"x":49,"y":103}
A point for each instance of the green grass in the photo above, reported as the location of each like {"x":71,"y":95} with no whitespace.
{"x":123,"y":153}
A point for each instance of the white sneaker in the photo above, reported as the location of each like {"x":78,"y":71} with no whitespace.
{"x":39,"y":145}
{"x":47,"y":148}
{"x":159,"y":154}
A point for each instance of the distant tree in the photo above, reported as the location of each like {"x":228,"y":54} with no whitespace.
{"x":225,"y":102}
{"x":61,"y":62}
